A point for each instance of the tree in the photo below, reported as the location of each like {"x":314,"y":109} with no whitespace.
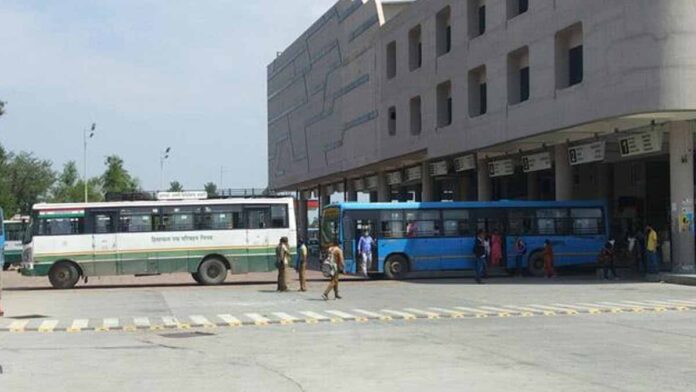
{"x":175,"y":186}
{"x":7,"y":199}
{"x":30,"y":180}
{"x":70,"y":188}
{"x":116,"y":178}
{"x":211,"y":189}
{"x":2,"y":108}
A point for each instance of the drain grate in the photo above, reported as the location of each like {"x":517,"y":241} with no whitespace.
{"x":185,"y":335}
{"x":29,"y":317}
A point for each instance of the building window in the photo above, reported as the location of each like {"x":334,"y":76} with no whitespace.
{"x":416,"y":116}
{"x":444,"y":104}
{"x":569,"y":57}
{"x":391,"y":60}
{"x":477,"y":18}
{"x":478,"y":92}
{"x":415,"y":48}
{"x":391,"y":122}
{"x":518,"y":76}
{"x":443,"y":32}
{"x":516,"y":7}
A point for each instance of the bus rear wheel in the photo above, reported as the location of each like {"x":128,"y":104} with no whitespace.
{"x":396,"y":267}
{"x":212,"y":271}
{"x":536,"y":264}
{"x":64,"y":275}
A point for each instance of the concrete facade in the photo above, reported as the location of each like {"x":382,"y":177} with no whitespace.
{"x":381,"y":90}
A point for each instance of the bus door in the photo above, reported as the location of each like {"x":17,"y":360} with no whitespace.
{"x":494,"y":222}
{"x":355,"y":223}
{"x":260,"y":248}
{"x":105,"y":255}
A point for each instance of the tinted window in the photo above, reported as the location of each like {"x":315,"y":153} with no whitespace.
{"x":137,"y":220}
{"x":456,"y":223}
{"x":521,"y":222}
{"x":222,"y":218}
{"x":587,"y":221}
{"x":552,"y":221}
{"x":103,"y":223}
{"x":177,"y":219}
{"x":258,"y":218}
{"x":60,"y":226}
{"x":422,"y":223}
{"x":392,"y":224}
{"x":279,"y":216}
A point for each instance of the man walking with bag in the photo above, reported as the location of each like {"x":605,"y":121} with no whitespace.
{"x":335,"y":259}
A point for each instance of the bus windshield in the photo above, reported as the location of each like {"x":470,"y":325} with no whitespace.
{"x":329,"y":227}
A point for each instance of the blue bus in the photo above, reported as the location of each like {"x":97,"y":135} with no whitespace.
{"x":439,"y":236}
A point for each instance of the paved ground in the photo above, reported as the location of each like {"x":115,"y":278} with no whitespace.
{"x":571,"y":334}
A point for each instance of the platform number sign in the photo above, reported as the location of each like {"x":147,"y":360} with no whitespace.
{"x":573,"y":155}
{"x":525,"y":164}
{"x":586,"y":153}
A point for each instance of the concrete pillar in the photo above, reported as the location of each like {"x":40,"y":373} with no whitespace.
{"x":564,"y":173}
{"x":681,"y":174}
{"x":351,"y":193}
{"x":484,"y":181}
{"x":383,"y":191}
{"x":324,"y":198}
{"x":301,"y":215}
{"x":533,"y":186}
{"x":603,"y":181}
{"x":427,"y":192}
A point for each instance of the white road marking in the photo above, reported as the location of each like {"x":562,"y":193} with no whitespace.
{"x":48,"y":325}
{"x":258,"y":319}
{"x":501,"y":312}
{"x":343,"y":315}
{"x":286,"y":318}
{"x":430,"y":315}
{"x":199,"y":320}
{"x":403,"y":315}
{"x":230,"y":320}
{"x":18,"y":325}
{"x":474,"y":310}
{"x":613,"y":309}
{"x":314,"y":317}
{"x":141,"y":322}
{"x":588,"y":309}
{"x":373,"y":314}
{"x":450,"y":312}
{"x":78,"y":325}
{"x":170,"y":321}
{"x":555,"y":309}
{"x":109,"y":323}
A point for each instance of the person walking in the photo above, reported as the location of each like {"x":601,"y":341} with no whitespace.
{"x":520,"y":252}
{"x":607,"y":256}
{"x":335,"y":254}
{"x":641,"y":257}
{"x":282,"y":261}
{"x":301,"y":264}
{"x":548,"y":260}
{"x":496,"y":248}
{"x":365,"y":251}
{"x":651,"y":249}
{"x":479,"y":255}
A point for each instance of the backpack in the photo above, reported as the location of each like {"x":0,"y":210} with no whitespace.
{"x":328,"y":266}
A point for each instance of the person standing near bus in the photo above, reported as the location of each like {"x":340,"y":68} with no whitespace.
{"x":496,"y":248}
{"x":651,"y":248}
{"x":301,"y":264}
{"x":479,"y":255}
{"x":607,"y":256}
{"x":282,"y":258}
{"x":336,"y":254}
{"x":365,"y":250}
{"x":548,"y":260}
{"x":520,"y":252}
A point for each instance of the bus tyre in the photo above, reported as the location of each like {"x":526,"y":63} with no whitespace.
{"x":212,"y":271}
{"x":64,"y":275}
{"x":396,"y":267}
{"x":196,"y":277}
{"x":536,"y":264}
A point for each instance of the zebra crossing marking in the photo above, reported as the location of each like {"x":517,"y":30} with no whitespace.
{"x":18,"y":325}
{"x":610,"y":308}
{"x":403,"y":315}
{"x":314,"y":317}
{"x":286,"y":319}
{"x":374,"y":315}
{"x":588,"y":309}
{"x":230,"y":320}
{"x":427,"y":314}
{"x":202,"y":321}
{"x":568,"y":312}
{"x":48,"y":326}
{"x":478,"y":313}
{"x":258,"y":319}
{"x":347,"y":316}
{"x":452,"y":313}
{"x":503,"y":313}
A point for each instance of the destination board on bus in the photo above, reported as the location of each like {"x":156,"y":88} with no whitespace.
{"x":536,"y":162}
{"x":640,"y":143}
{"x":586,"y":153}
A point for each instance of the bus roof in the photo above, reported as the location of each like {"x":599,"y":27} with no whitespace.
{"x":155,"y":203}
{"x":469,"y":204}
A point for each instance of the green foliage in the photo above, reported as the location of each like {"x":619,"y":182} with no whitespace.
{"x":2,"y":108}
{"x":175,"y":186}
{"x":29,"y":180}
{"x":116,"y":178}
{"x":7,"y":199}
{"x":70,"y":188}
{"x":211,"y":189}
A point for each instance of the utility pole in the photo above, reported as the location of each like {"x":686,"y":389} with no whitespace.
{"x":86,"y":136}
{"x":163,"y":157}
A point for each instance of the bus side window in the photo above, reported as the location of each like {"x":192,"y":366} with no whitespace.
{"x":257,"y":217}
{"x":587,"y":221}
{"x":456,"y":223}
{"x":392,"y":224}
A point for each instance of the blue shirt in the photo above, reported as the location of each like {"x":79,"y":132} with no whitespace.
{"x":365,"y":244}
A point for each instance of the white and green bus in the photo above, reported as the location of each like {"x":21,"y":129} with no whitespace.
{"x":206,"y":238}
{"x":15,"y":229}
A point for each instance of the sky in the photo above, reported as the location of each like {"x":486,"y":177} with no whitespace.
{"x":185,"y":74}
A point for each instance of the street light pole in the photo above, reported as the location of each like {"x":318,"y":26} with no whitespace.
{"x":86,"y":135}
{"x":164,"y":156}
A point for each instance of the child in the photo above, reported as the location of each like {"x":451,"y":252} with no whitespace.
{"x":548,"y":260}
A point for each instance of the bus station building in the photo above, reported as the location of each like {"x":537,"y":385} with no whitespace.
{"x":479,"y":100}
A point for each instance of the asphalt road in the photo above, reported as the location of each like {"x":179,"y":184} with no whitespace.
{"x":569,"y":334}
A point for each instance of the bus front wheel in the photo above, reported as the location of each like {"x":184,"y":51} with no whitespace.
{"x":396,"y":267}
{"x":64,"y":275}
{"x":212,"y":272}
{"x":536,"y":264}
{"x":196,"y":277}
